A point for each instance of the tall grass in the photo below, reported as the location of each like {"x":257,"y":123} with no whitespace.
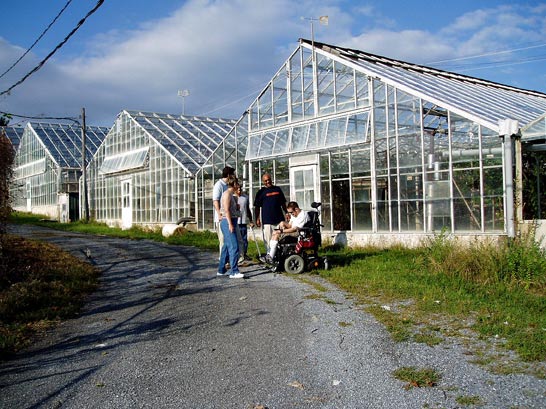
{"x":496,"y":288}
{"x":518,"y":262}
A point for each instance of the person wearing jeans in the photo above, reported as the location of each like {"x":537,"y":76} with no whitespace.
{"x":228,"y":225}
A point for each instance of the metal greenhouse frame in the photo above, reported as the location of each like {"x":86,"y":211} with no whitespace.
{"x":395,"y":151}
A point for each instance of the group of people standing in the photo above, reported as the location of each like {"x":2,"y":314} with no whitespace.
{"x":232,"y":215}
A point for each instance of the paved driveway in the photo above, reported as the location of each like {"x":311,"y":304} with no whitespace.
{"x":164,"y":332}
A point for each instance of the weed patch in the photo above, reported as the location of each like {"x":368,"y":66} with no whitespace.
{"x":417,"y":378}
{"x":39,"y":285}
{"x":469,"y":400}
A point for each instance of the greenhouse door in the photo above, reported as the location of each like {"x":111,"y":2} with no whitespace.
{"x":126,"y":208}
{"x":304,"y":186}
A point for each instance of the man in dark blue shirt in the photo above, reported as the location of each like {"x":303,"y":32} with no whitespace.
{"x":269,"y":208}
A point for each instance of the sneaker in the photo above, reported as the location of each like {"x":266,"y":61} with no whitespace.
{"x":241,"y":259}
{"x":219,"y":274}
{"x":266,"y":259}
{"x":238,"y":275}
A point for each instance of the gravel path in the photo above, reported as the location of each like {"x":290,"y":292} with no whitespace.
{"x":164,"y":332}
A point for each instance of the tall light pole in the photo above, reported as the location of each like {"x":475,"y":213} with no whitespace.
{"x":324,"y":21}
{"x":183,"y":93}
{"x":84,"y":174}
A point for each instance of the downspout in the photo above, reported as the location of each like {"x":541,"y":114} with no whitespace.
{"x":508,"y":128}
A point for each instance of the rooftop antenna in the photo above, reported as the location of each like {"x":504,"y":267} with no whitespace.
{"x":323,"y":20}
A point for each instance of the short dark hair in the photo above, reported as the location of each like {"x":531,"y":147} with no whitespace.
{"x":228,"y":170}
{"x":292,"y":205}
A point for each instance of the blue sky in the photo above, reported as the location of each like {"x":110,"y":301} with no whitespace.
{"x":137,"y":54}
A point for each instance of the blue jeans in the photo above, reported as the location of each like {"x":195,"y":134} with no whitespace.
{"x":230,"y":249}
{"x":244,"y":235}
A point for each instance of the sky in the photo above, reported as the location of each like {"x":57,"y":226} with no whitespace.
{"x":137,"y":54}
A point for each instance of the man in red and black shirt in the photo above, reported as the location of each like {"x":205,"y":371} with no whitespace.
{"x":269,"y":208}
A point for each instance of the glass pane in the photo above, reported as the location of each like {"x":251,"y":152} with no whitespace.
{"x":341,"y":206}
{"x":382,"y":208}
{"x":360,"y":162}
{"x":467,"y":214}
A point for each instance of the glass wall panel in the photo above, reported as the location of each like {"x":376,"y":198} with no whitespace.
{"x":362,"y":204}
{"x":411,"y":202}
{"x":337,"y":129}
{"x":296,"y":87}
{"x":265,"y":108}
{"x":360,"y":162}
{"x":357,"y":128}
{"x":339,"y":165}
{"x":381,"y":156}
{"x":341,"y":207}
{"x":493,"y":180}
{"x":341,"y":190}
{"x":493,"y":199}
{"x":280,"y":101}
{"x":282,"y":174}
{"x":382,"y":208}
{"x":300,"y":135}
{"x":308,"y":100}
{"x":326,"y":88}
{"x":326,"y":209}
{"x":362,"y":90}
{"x":394,"y":203}
{"x":281,"y":141}
{"x":345,"y":87}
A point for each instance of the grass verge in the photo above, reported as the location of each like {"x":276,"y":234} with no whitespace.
{"x":39,"y":285}
{"x":444,"y":288}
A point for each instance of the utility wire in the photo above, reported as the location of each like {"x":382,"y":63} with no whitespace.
{"x":80,"y":23}
{"x":9,"y":114}
{"x":38,"y":39}
{"x":487,"y":54}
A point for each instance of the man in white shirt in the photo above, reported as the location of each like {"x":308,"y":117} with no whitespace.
{"x":298,"y":218}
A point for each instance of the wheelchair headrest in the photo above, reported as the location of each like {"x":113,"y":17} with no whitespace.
{"x":315,"y":205}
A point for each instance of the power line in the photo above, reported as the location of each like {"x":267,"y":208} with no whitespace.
{"x":487,"y":54}
{"x":498,"y":64}
{"x":66,"y":118}
{"x":80,"y":23}
{"x":38,"y":39}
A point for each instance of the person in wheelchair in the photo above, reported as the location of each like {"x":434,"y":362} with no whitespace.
{"x":285,"y":229}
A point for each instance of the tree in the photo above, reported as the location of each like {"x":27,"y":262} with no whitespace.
{"x":7,"y":156}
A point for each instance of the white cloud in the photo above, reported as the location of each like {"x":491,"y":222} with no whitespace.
{"x":216,"y":49}
{"x":223,"y":50}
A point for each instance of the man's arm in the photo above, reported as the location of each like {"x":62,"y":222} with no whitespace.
{"x":216,"y":205}
{"x":216,"y":197}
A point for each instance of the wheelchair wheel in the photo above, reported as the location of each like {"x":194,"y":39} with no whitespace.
{"x":294,"y":264}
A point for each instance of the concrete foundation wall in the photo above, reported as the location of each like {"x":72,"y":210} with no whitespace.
{"x":407,"y":240}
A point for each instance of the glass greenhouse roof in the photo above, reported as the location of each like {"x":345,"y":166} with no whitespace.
{"x":14,"y":134}
{"x":484,"y":101}
{"x":190,"y":139}
{"x":535,"y":132}
{"x":64,"y":142}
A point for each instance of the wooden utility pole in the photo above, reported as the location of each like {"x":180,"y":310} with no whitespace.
{"x":84,"y":174}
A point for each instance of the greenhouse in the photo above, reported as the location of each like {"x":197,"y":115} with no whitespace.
{"x":394,"y":151}
{"x":144,"y":172}
{"x":47,"y":168}
{"x":14,"y":134}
